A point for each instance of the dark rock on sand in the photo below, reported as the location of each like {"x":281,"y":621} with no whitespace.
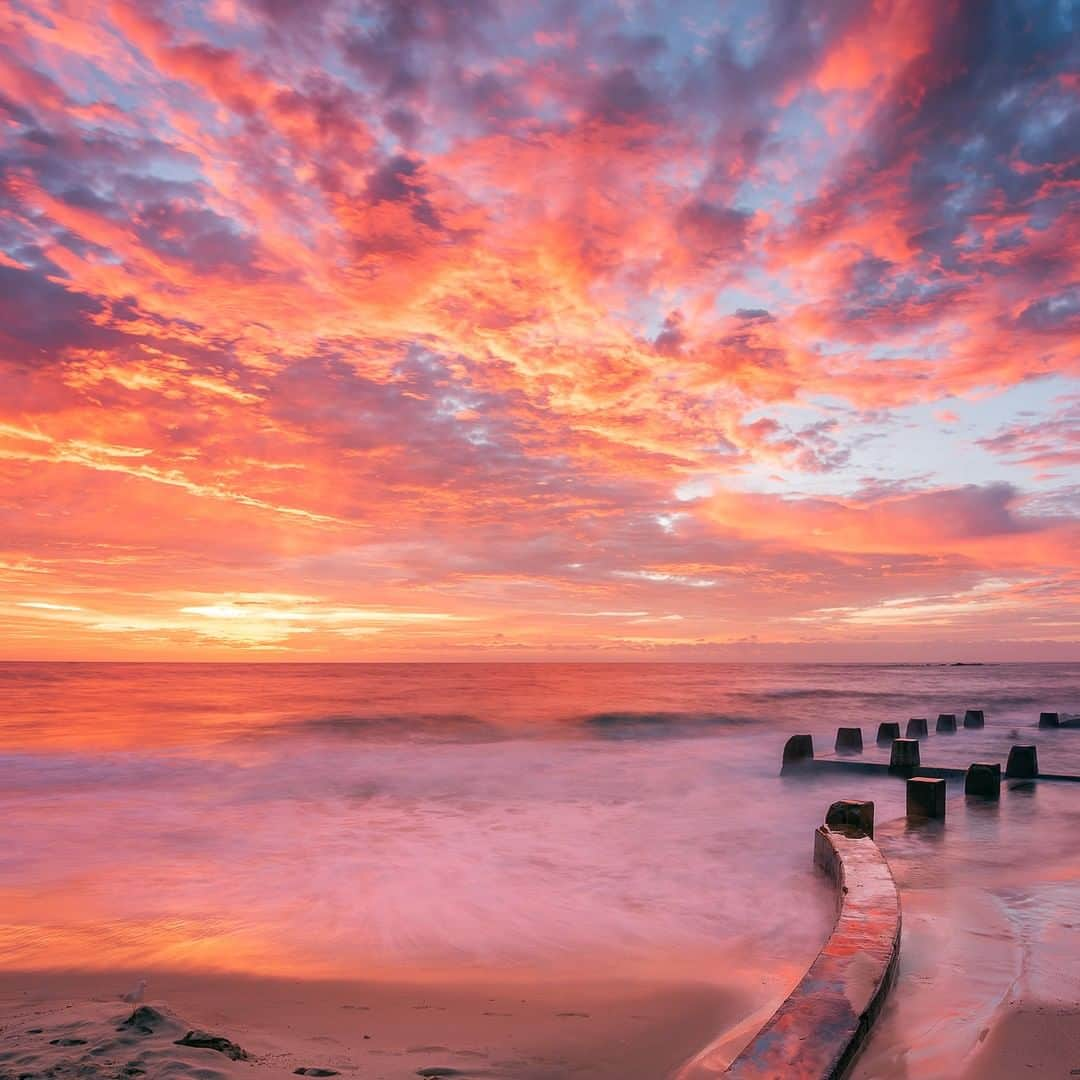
{"x":439,"y":1070}
{"x":145,"y":1020}
{"x":68,"y":1042}
{"x":213,"y":1042}
{"x":314,"y":1071}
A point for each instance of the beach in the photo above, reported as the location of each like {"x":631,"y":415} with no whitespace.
{"x":378,"y":1030}
{"x":989,"y":982}
{"x":519,"y":871}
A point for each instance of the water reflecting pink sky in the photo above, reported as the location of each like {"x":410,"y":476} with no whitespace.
{"x":543,"y":820}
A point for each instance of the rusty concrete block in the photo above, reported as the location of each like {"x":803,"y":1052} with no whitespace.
{"x":798,"y":752}
{"x":974,"y":718}
{"x":849,"y":740}
{"x":1023,"y":763}
{"x":916,"y":728}
{"x":946,"y":723}
{"x":905,"y":755}
{"x":925,"y":798}
{"x":1049,"y":719}
{"x":886,"y":732}
{"x":983,"y":778}
{"x":853,"y":816}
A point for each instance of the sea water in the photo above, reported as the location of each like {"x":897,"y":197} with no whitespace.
{"x":369,"y":820}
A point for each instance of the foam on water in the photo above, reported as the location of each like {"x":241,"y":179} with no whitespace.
{"x":366,"y":857}
{"x":383,"y":819}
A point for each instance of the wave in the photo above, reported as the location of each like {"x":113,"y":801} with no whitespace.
{"x":628,"y":724}
{"x":434,"y":727}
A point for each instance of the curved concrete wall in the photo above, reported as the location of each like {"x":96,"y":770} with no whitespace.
{"x":820,"y":1028}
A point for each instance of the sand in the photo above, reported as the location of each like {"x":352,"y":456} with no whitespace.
{"x":989,"y":984}
{"x":1029,"y":1039}
{"x":72,"y":1025}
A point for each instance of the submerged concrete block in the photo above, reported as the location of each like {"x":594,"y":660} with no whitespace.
{"x":853,"y":816}
{"x":905,"y":755}
{"x":983,"y":778}
{"x":1049,"y":719}
{"x":798,"y":752}
{"x":925,"y":797}
{"x":1023,"y":763}
{"x":886,"y":732}
{"x":916,"y":727}
{"x":849,"y":740}
{"x":974,"y":718}
{"x":946,"y":723}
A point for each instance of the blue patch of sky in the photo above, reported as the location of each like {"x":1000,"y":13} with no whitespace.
{"x":748,"y":28}
{"x":909,"y":442}
{"x":921,"y":350}
{"x":760,"y":289}
{"x":648,"y":313}
{"x":799,"y":137}
{"x":173,"y":167}
{"x":733,"y":297}
{"x":683,"y":31}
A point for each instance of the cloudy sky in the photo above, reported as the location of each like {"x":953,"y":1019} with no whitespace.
{"x":465,"y":329}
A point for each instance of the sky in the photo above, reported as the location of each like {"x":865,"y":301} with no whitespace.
{"x":482,"y":330}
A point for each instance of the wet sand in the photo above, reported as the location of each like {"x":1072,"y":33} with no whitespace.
{"x":66,"y":1025}
{"x":989,"y":983}
{"x":1030,"y":1039}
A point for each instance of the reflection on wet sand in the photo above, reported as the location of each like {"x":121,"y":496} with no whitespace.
{"x":989,"y":982}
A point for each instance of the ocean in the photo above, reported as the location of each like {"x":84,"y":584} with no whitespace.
{"x":380,"y":819}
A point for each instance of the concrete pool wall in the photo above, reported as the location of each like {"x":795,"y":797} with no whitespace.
{"x":818,"y":1031}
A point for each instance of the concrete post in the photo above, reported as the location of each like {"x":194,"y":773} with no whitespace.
{"x":916,"y":727}
{"x":974,"y":718}
{"x":849,"y":740}
{"x":946,"y":723}
{"x":1023,"y":763}
{"x":1049,"y":719}
{"x":983,"y":779}
{"x":905,"y":755}
{"x":798,"y":752}
{"x":886,"y":732}
{"x":925,"y":798}
{"x":852,"y":816}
